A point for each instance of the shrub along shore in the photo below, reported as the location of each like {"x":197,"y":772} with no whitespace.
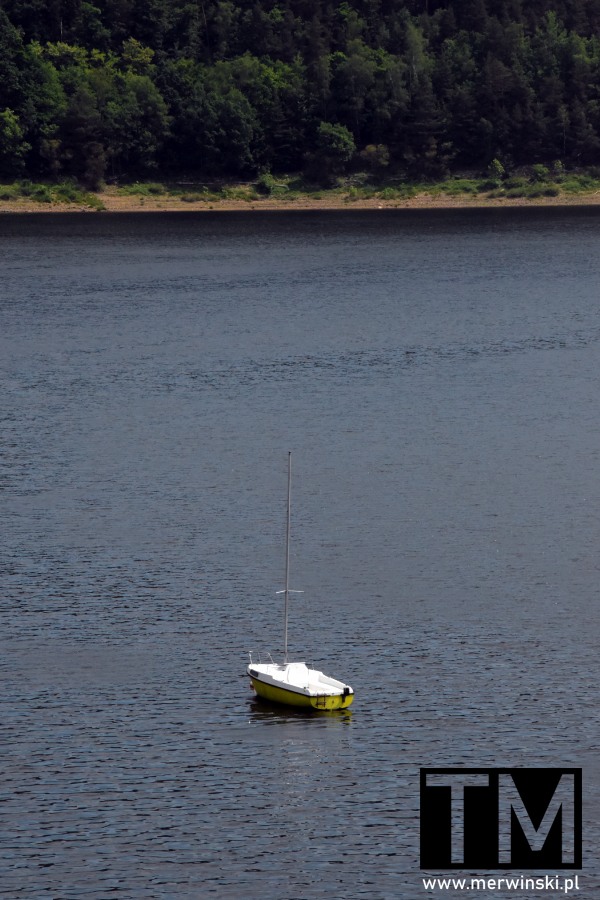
{"x":536,"y":185}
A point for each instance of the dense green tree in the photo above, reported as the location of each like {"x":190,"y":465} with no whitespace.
{"x":334,"y":148}
{"x":237,"y":136}
{"x":136,"y":123}
{"x":101,"y":88}
{"x":192,"y":142}
{"x":13,"y":146}
{"x":82,"y":138}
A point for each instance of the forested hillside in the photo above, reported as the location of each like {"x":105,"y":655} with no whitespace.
{"x":101,"y":89}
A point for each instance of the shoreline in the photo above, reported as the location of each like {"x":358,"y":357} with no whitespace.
{"x":111,"y":201}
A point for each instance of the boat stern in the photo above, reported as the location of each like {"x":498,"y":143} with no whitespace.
{"x":333,"y":701}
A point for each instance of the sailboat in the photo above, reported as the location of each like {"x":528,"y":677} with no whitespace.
{"x":295,"y":683}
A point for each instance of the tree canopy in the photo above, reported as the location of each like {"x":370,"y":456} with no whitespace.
{"x":124,"y":88}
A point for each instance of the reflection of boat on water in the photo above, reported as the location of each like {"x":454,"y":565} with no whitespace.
{"x":295,"y":683}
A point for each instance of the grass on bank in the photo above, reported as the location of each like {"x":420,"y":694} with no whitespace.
{"x":64,"y":192}
{"x":531,"y":183}
{"x":539,"y":182}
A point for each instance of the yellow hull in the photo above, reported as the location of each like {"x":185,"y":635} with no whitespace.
{"x":292,"y":698}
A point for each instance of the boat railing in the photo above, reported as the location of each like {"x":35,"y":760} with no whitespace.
{"x":260,"y":656}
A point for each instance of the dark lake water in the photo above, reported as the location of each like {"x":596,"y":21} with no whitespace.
{"x":437,"y":378}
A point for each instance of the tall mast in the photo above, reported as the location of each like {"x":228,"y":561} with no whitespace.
{"x":287,"y":561}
